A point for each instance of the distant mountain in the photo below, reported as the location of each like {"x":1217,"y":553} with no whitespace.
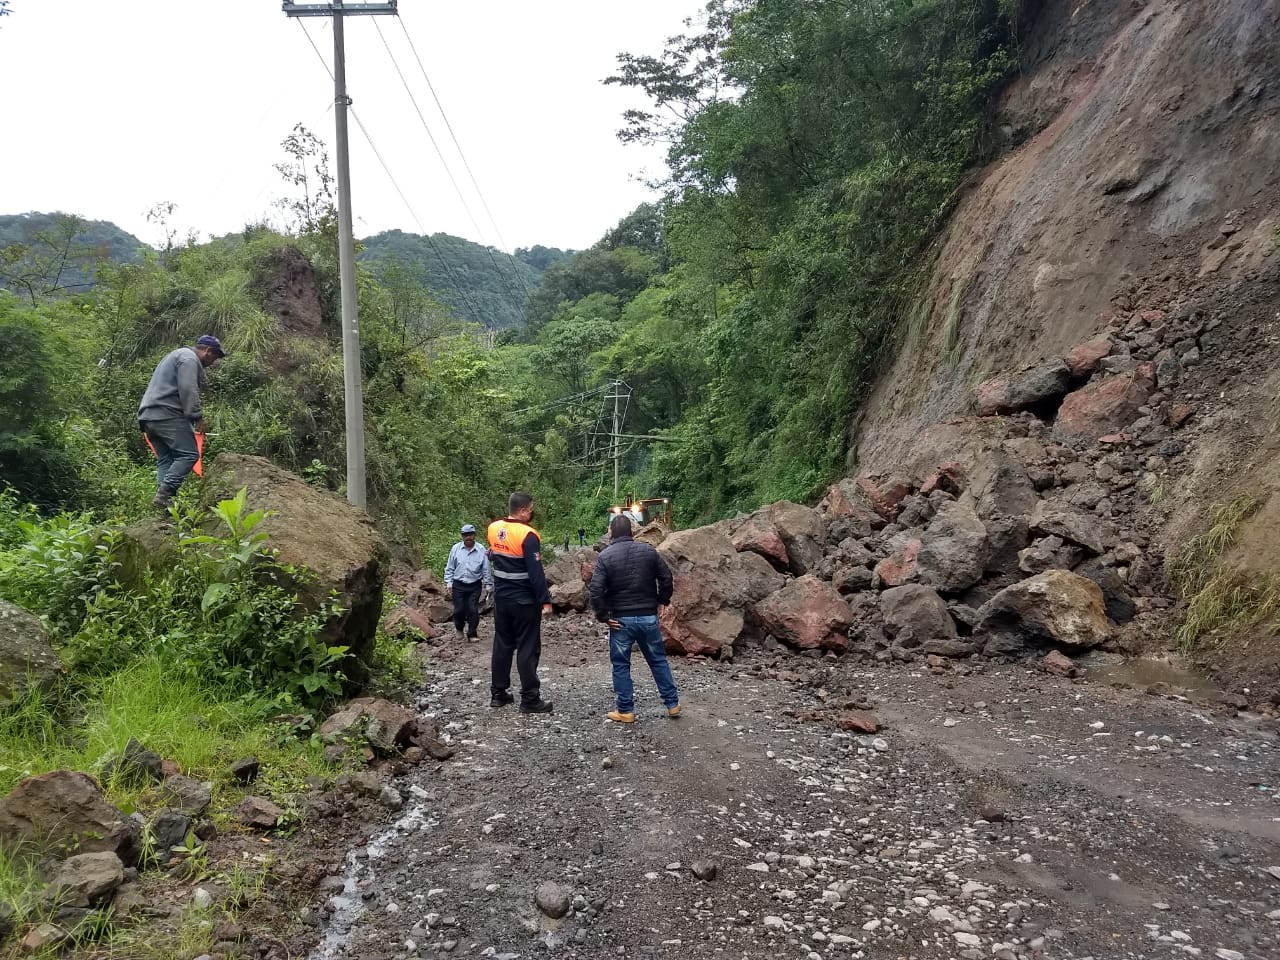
{"x":482,"y":284}
{"x":57,"y":252}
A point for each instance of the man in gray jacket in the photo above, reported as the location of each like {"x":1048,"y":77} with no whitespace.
{"x":629,"y":583}
{"x":170,"y":413}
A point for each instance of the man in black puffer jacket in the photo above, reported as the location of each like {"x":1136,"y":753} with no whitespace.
{"x":628,"y":585}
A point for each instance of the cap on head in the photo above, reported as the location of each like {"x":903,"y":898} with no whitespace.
{"x":468,"y":528}
{"x":213,"y":343}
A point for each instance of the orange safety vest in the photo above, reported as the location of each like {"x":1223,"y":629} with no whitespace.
{"x":506,"y":544}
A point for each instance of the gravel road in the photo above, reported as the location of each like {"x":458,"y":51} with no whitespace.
{"x":999,"y":813}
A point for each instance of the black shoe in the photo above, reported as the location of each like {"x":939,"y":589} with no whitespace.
{"x":501,"y":700}
{"x":537,"y":706}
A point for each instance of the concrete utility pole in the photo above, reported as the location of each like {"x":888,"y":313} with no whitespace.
{"x":353,"y":391}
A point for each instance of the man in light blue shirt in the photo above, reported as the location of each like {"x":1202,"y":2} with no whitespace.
{"x":465,"y":575}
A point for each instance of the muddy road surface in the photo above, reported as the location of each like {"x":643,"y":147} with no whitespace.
{"x":1002,"y":813}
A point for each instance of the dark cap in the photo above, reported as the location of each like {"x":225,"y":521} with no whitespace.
{"x":212,"y":342}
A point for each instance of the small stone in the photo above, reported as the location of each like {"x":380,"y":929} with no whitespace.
{"x":880,"y":745}
{"x":201,"y":898}
{"x":552,"y":899}
{"x":390,"y":798}
{"x":705,"y":870}
{"x":245,"y":770}
{"x":1222,"y":953}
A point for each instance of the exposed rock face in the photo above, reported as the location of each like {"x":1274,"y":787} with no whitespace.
{"x":65,"y":811}
{"x":26,"y":656}
{"x":953,"y":551}
{"x":1054,"y":608}
{"x":1025,"y":390}
{"x":807,"y":614}
{"x":315,"y":529}
{"x":290,"y":293}
{"x":919,"y":609}
{"x":1104,"y":406}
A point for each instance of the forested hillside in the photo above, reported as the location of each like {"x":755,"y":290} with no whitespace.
{"x":481,"y":284}
{"x":48,"y":253}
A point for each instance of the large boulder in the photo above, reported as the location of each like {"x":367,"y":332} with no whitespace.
{"x":883,"y":494}
{"x":1056,"y":608}
{"x":1074,"y":526}
{"x":758,"y":535}
{"x":697,"y":622}
{"x":27,"y":659}
{"x":1003,"y":488}
{"x":807,"y":614}
{"x":567,"y":582}
{"x":713,"y":592}
{"x":314,"y":529}
{"x":919,"y":609}
{"x":902,"y":564}
{"x":844,"y":501}
{"x":1028,"y":389}
{"x":1105,"y":406}
{"x":64,"y":812}
{"x":803,"y":534}
{"x":953,"y":550}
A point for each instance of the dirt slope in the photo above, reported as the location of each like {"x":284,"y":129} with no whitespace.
{"x":1140,"y":176}
{"x":1146,"y":125}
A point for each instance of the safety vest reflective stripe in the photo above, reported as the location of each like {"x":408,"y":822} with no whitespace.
{"x":504,"y":575}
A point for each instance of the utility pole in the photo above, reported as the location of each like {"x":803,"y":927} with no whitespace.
{"x":617,"y":429}
{"x":353,"y":390}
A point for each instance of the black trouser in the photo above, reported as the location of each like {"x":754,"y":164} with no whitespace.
{"x":517,"y":630}
{"x":466,"y":605}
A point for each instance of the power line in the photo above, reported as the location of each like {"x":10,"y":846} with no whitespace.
{"x":462,"y":155}
{"x":445,"y":163}
{"x":475,"y":313}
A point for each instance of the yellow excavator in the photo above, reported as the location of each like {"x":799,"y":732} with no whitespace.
{"x":647,"y":511}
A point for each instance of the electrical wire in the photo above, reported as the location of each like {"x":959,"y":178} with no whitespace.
{"x":475,"y":313}
{"x":445,"y":163}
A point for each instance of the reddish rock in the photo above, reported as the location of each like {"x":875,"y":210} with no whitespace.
{"x":900,"y":567}
{"x":697,"y":622}
{"x":807,"y":614}
{"x":949,"y":477}
{"x":1024,"y":390}
{"x":803,"y":534}
{"x":259,"y":813}
{"x":844,"y":501}
{"x":759,"y":535}
{"x":884,"y":494}
{"x":1151,"y":316}
{"x":403,"y":619}
{"x":1115,"y":439}
{"x":858,"y":722}
{"x":1104,"y":406}
{"x":1084,"y":359}
{"x":65,"y":811}
{"x":1178,"y":414}
{"x":1058,"y":664}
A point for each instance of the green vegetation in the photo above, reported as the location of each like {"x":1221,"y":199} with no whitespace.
{"x":1222,"y":602}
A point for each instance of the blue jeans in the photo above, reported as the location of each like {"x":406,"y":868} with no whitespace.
{"x":640,"y":632}
{"x":175,"y":445}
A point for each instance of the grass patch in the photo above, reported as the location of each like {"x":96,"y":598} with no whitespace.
{"x":179,"y":717}
{"x":1220,"y":602}
{"x":951,"y":326}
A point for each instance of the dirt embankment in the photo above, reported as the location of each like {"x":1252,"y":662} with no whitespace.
{"x":1140,"y":175}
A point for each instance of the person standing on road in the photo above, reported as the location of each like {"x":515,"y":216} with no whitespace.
{"x":521,"y":599}
{"x":582,"y":536}
{"x":630,"y":582}
{"x":466,"y":576}
{"x":170,"y":413}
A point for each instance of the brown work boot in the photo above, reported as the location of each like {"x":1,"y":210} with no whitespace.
{"x":617,"y":716}
{"x":673,"y":712}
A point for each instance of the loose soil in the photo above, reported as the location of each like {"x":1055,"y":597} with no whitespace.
{"x":999,"y":813}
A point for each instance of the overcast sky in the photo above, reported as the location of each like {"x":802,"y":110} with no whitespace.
{"x":111,"y":107}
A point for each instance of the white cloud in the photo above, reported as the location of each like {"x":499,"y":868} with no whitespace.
{"x":113,"y":106}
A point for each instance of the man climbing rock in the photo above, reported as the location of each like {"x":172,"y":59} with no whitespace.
{"x":466,"y":575}
{"x":628,"y":585}
{"x":520,"y":589}
{"x":170,"y":413}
